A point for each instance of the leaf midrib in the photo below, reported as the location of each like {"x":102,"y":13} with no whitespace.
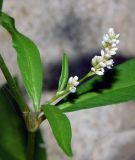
{"x":59,"y":128}
{"x":68,"y":104}
{"x":30,"y":68}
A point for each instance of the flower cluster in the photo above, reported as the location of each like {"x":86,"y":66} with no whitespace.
{"x":109,"y":48}
{"x":72,"y":83}
{"x":99,"y":63}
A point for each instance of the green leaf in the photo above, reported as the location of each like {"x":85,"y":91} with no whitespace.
{"x":28,"y":58}
{"x":101,"y":91}
{"x":1,"y":3}
{"x":13,"y":134}
{"x":64,"y":73}
{"x":60,"y":126}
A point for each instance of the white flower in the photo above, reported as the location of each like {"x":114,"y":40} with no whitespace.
{"x":106,"y":38}
{"x":114,"y":45}
{"x":96,"y":60}
{"x":102,"y":64}
{"x":111,"y":32}
{"x":109,"y":49}
{"x":99,"y":71}
{"x":110,"y":42}
{"x":73,"y":82}
{"x":105,"y":54}
{"x":72,"y":89}
{"x":109,"y":63}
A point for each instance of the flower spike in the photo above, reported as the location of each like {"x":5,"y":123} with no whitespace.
{"x":109,"y":49}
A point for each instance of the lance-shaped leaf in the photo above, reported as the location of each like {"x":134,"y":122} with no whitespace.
{"x":116,"y":86}
{"x":64,"y":73}
{"x":28,"y":59}
{"x":60,"y":126}
{"x":13,"y":133}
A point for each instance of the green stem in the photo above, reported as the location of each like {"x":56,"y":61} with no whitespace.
{"x":87,"y":76}
{"x":14,"y":88}
{"x":58,"y":97}
{"x":32,"y":124}
{"x":30,"y":119}
{"x":83,"y":79}
{"x":31,"y":146}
